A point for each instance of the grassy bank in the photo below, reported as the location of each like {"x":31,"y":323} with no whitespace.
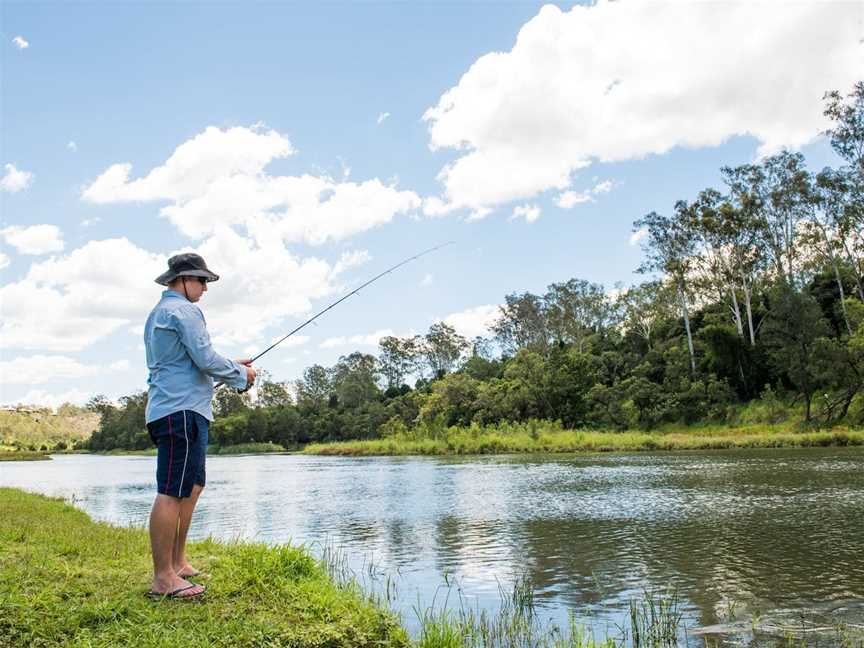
{"x":22,"y":455}
{"x":68,"y":581}
{"x":543,"y":436}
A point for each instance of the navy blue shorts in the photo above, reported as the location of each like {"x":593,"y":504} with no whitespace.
{"x":181,"y":439}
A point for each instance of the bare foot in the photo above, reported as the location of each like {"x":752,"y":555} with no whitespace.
{"x":186,"y":571}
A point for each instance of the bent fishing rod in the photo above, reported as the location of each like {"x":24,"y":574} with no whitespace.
{"x":346,"y":296}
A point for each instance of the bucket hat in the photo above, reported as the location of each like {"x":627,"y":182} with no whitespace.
{"x":187,"y":264}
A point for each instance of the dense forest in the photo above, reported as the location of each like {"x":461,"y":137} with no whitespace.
{"x":752,"y":309}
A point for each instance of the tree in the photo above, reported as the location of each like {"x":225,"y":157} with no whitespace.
{"x":643,"y":307}
{"x":273,"y":394}
{"x":226,"y":401}
{"x":443,"y":347}
{"x":314,"y":388}
{"x":669,"y":246}
{"x":396,"y":359}
{"x":522,"y":324}
{"x":791,"y":331}
{"x":354,"y":379}
{"x":575,"y":310}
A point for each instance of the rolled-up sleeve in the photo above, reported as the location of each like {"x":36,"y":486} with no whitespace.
{"x":192,"y":330}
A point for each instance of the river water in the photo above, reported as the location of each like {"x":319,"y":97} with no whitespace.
{"x":773,"y":533}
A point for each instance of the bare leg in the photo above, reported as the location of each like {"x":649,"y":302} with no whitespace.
{"x":163,"y":531}
{"x":187,"y":507}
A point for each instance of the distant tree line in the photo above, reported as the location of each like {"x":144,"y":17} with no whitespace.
{"x":753,"y":302}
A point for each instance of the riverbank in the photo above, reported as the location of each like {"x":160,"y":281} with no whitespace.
{"x":66,"y":580}
{"x":23,"y":455}
{"x":548,"y":437}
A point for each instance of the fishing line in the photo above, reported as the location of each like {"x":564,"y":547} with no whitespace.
{"x":346,"y":296}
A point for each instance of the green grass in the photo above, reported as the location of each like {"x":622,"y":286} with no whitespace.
{"x":68,"y":581}
{"x":245,"y":448}
{"x":23,"y":455}
{"x":545,"y":436}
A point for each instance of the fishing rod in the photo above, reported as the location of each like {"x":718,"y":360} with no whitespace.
{"x":346,"y":296}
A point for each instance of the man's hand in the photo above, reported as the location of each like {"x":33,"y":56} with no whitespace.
{"x":250,"y":372}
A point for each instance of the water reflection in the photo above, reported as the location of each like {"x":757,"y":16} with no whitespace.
{"x":753,"y":530}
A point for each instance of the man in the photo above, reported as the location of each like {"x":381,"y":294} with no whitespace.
{"x":182,"y":366}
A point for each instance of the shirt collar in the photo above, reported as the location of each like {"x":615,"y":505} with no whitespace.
{"x":172,"y":293}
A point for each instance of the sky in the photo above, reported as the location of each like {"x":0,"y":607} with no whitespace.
{"x":302,"y":148}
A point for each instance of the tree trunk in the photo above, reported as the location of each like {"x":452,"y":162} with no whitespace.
{"x":749,"y":313}
{"x":683,"y":297}
{"x":736,"y":312}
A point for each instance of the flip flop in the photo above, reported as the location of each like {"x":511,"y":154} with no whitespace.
{"x":176,"y":594}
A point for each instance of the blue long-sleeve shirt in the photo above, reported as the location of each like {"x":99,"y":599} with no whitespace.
{"x":182,"y":361}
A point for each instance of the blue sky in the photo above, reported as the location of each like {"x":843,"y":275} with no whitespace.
{"x":424,"y":122}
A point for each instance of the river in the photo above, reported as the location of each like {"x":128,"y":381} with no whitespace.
{"x":773,"y":533}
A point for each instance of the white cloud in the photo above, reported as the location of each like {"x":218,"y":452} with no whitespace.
{"x":427,"y":280}
{"x":15,"y":180}
{"x":620,"y":80}
{"x":4,"y":261}
{"x":35,"y":239}
{"x":368,"y":340}
{"x":72,"y":146}
{"x":87,"y":222}
{"x":218,"y":179}
{"x":529,"y":212}
{"x":67,"y":303}
{"x":42,"y":398}
{"x":569,"y":199}
{"x":473,"y":322}
{"x":638,"y":235}
{"x":382,"y":116}
{"x":20,"y":43}
{"x":39,"y":369}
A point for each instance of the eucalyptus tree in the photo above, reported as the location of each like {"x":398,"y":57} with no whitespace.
{"x":396,"y":359}
{"x":522,"y":324}
{"x":670,"y":246}
{"x":443,"y":347}
{"x":777,"y":195}
{"x":846,"y":184}
{"x":354,"y":379}
{"x":575,"y":310}
{"x":315,"y":386}
{"x":643,"y":307}
{"x":740,"y":227}
{"x":714,"y":261}
{"x":827,"y":233}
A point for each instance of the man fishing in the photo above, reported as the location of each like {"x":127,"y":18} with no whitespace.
{"x":182,"y":366}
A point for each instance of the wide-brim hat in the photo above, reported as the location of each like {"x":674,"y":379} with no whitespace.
{"x":187,"y":264}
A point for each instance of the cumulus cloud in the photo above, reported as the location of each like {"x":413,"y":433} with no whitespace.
{"x":42,"y":398}
{"x":362,"y":340}
{"x":569,"y":199}
{"x":529,"y":212}
{"x":14,"y":180}
{"x":39,"y":369}
{"x":67,"y":303}
{"x":382,"y":116}
{"x":20,"y":43}
{"x":218,"y":179}
{"x":35,"y":239}
{"x":620,"y":80}
{"x":473,"y":322}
